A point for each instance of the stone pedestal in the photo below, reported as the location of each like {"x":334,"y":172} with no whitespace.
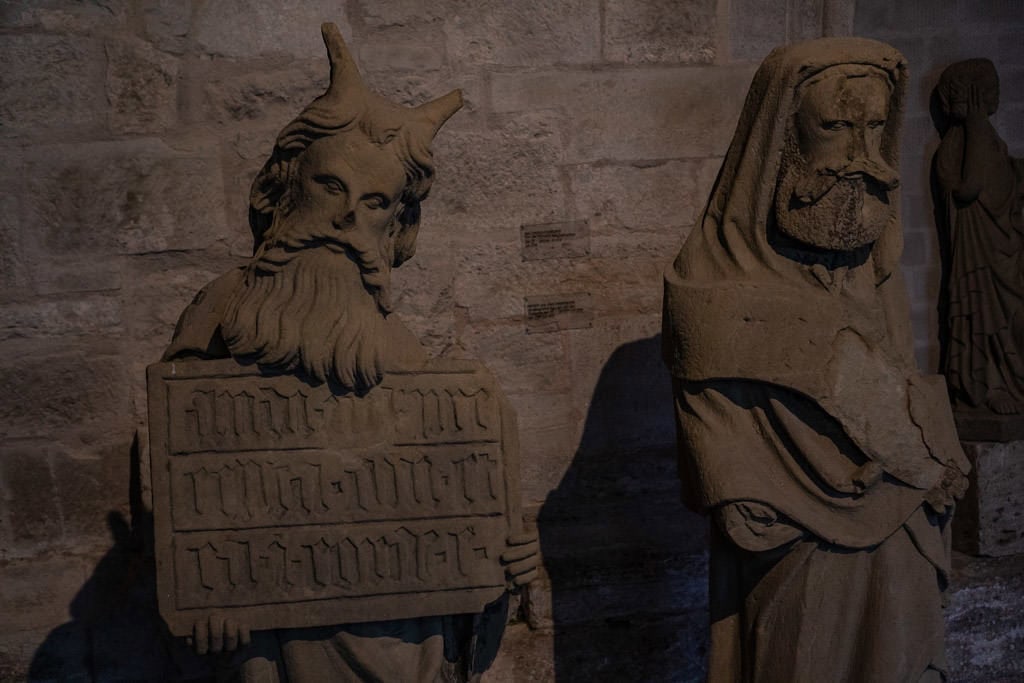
{"x":990,"y":518}
{"x":983,"y":426}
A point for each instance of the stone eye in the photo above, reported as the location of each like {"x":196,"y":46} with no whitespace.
{"x":835,"y":125}
{"x":876,"y":124}
{"x":376,"y":201}
{"x":330,"y":183}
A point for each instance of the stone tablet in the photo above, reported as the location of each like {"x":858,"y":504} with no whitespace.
{"x":286,"y":505}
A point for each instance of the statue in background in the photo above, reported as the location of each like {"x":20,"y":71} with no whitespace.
{"x":828,"y":464}
{"x":308,"y":319}
{"x":978,"y":205}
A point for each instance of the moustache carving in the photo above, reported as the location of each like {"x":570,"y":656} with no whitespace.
{"x":818,"y":182}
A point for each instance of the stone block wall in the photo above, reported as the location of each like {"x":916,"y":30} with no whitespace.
{"x":933,"y":34}
{"x":130,"y":131}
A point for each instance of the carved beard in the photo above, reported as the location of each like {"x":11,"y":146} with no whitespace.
{"x":318,"y":310}
{"x":831,"y":210}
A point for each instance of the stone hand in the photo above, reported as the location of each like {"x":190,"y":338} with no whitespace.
{"x":218,"y":634}
{"x":521,"y":559}
{"x":867,"y":475}
{"x":976,"y":110}
{"x":950,"y":488}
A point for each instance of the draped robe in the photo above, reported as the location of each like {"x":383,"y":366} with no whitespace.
{"x":805,"y":430}
{"x":985,"y":309}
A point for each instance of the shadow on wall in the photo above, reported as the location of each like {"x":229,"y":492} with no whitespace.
{"x":116,"y":632}
{"x":941,"y":122}
{"x":627,"y":562}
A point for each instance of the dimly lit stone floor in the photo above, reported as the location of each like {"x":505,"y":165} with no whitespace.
{"x":985,"y":620}
{"x":623,"y":617}
{"x":985,"y":637}
{"x":624,"y":598}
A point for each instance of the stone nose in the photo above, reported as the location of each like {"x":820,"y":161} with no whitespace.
{"x":345,"y":216}
{"x":857,"y":147}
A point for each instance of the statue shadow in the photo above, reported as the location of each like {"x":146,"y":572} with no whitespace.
{"x":940,"y":219}
{"x":116,"y":632}
{"x":626,"y":560}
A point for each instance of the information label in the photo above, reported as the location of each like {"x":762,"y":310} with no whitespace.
{"x":553,"y":312}
{"x":570,"y":239}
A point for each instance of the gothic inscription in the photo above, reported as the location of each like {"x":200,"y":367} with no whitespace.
{"x":319,"y":487}
{"x":237,"y":414}
{"x":340,"y":508}
{"x":234,"y":570}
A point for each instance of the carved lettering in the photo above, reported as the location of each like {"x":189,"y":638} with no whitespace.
{"x":246,"y":416}
{"x":449,"y":415}
{"x":213,"y":492}
{"x":256,"y":569}
{"x":271,"y":492}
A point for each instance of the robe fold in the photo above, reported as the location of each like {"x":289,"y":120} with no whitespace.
{"x":985,"y":308}
{"x":805,"y":429}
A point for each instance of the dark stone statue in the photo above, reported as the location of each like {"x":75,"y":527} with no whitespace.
{"x":330,"y":503}
{"x":978,"y":197}
{"x":828,"y":465}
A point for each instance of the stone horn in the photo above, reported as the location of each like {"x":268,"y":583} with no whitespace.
{"x":347,"y":87}
{"x":433,"y":114}
{"x":345,"y":78}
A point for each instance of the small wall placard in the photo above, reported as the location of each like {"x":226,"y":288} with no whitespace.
{"x":569,"y":239}
{"x":553,"y":312}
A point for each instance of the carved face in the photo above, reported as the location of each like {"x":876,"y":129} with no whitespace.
{"x":834,"y":182}
{"x":315,"y":296}
{"x":347,"y":184}
{"x":841,"y":120}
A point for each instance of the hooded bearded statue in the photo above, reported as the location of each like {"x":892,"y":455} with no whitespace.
{"x":828,"y":464}
{"x":334,"y":209}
